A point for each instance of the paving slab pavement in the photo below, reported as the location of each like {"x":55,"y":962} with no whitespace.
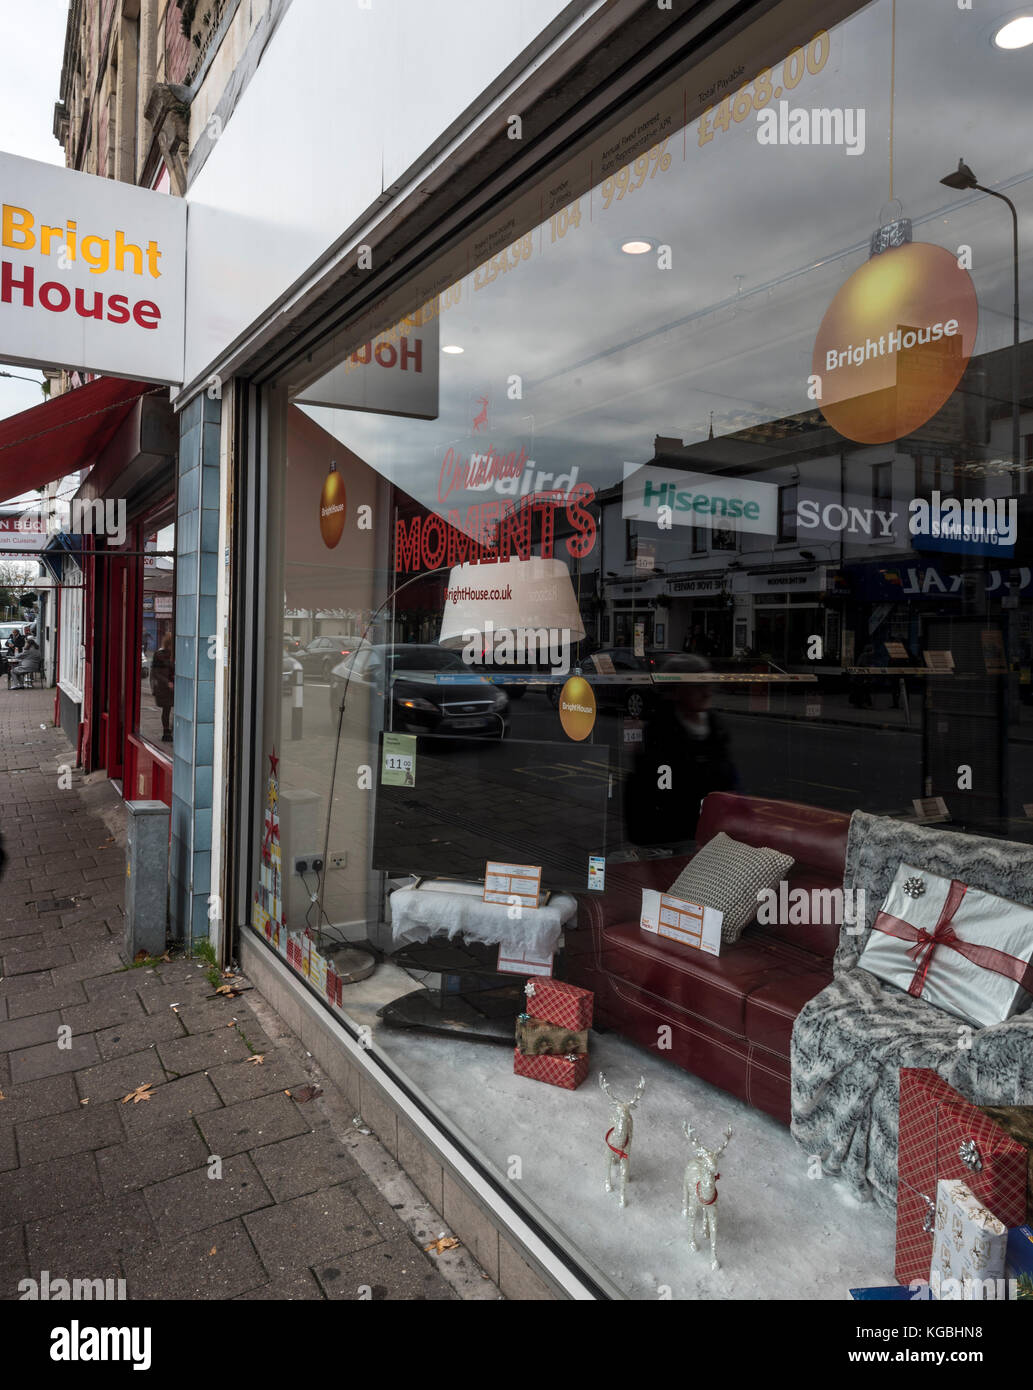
{"x":222,"y":1184}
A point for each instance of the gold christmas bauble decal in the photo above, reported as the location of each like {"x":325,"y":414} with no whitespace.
{"x":577,"y":708}
{"x":332,"y":508}
{"x":894,"y":343}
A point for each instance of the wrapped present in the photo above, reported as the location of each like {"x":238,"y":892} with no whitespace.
{"x":941,"y":1135}
{"x":959,"y":948}
{"x":1017,"y":1120}
{"x":890,"y":1293}
{"x":968,"y":1242}
{"x":535,"y":1038}
{"x":554,"y":1001}
{"x":567,"y":1072}
{"x":334,"y":987}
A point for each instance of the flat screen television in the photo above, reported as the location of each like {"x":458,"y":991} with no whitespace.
{"x":511,"y":800}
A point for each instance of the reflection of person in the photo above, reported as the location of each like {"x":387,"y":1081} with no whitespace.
{"x":685,"y":736}
{"x":162,"y":677}
{"x":698,"y":643}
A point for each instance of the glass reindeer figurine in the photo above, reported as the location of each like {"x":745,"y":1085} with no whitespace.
{"x":699,"y":1194}
{"x":620,"y":1133}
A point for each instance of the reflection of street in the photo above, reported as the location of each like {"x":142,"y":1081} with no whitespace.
{"x":814,"y":760}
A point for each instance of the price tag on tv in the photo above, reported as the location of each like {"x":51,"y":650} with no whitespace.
{"x":398,"y":763}
{"x":515,"y":885}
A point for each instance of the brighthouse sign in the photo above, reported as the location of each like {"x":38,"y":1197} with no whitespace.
{"x":698,"y":499}
{"x":92,"y":273}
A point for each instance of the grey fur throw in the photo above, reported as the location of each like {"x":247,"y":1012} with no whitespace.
{"x":850,"y":1041}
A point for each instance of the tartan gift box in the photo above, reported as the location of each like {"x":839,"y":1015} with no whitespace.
{"x":1017,"y":1120}
{"x":968,"y":1242}
{"x":566,"y":1072}
{"x":959,"y":948}
{"x":554,"y":1001}
{"x":941,"y":1135}
{"x":535,"y":1038}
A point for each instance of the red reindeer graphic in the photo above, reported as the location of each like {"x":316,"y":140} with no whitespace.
{"x":480,"y":420}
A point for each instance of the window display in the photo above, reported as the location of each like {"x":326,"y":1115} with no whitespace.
{"x":640,"y":572}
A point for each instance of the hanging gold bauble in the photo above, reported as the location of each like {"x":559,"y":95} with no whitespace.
{"x":894,"y":342}
{"x":577,"y":708}
{"x":332,"y":504}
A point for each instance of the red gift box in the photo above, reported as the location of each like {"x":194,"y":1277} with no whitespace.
{"x":554,"y":1001}
{"x":942,"y":1135}
{"x":568,"y":1072}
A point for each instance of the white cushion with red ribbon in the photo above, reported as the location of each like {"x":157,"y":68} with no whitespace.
{"x":959,"y":948}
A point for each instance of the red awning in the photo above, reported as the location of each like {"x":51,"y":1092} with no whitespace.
{"x":62,"y":435}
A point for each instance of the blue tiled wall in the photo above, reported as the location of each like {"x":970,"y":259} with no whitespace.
{"x":197,"y":568}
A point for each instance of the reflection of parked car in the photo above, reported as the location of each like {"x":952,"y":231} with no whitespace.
{"x":289,"y":678}
{"x":432,"y":691}
{"x":323,"y":653}
{"x":604,"y":671}
{"x":291,"y":644}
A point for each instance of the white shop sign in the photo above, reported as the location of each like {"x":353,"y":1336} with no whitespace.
{"x":395,"y":374}
{"x":20,"y":532}
{"x":807,"y":580}
{"x":92,"y":273}
{"x":698,"y":499}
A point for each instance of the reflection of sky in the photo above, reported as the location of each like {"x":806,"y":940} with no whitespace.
{"x":613,"y":351}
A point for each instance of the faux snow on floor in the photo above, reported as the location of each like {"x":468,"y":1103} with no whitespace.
{"x":781,"y":1233}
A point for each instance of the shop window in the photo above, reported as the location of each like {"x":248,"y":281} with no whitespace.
{"x":157,"y":654}
{"x":787,"y":512}
{"x":70,"y":632}
{"x":413,"y":755}
{"x":882,"y":485}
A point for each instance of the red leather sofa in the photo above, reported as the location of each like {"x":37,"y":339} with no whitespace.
{"x":730,"y":1016}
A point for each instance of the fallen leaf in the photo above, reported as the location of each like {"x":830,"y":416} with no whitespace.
{"x":86,"y":1101}
{"x":141,"y":1093}
{"x":258,"y":1059}
{"x":441,"y":1244}
{"x":304,"y":1093}
{"x":3,"y":1097}
{"x":213,"y":1250}
{"x":140,"y":955}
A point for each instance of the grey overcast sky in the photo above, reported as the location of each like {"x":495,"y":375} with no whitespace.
{"x":32,"y":39}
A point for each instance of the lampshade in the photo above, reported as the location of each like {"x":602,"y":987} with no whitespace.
{"x":531,"y":593}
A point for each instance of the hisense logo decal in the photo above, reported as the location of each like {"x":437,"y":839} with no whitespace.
{"x":668,"y":497}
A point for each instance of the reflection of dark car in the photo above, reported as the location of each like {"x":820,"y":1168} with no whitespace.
{"x":291,"y":644}
{"x":432,"y":691}
{"x":616,"y":676}
{"x":323,"y":653}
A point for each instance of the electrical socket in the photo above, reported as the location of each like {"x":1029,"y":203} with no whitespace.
{"x":308,"y":863}
{"x":339,"y":860}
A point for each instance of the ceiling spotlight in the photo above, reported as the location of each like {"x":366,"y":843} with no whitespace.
{"x":453,"y":349}
{"x":1017,"y":33}
{"x":637,"y":246}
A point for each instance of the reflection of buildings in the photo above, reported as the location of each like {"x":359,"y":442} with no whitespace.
{"x":841,"y":562}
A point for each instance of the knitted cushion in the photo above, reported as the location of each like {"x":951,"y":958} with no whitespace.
{"x":728,"y":875}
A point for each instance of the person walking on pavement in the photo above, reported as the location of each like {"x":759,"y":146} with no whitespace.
{"x":162,"y":678}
